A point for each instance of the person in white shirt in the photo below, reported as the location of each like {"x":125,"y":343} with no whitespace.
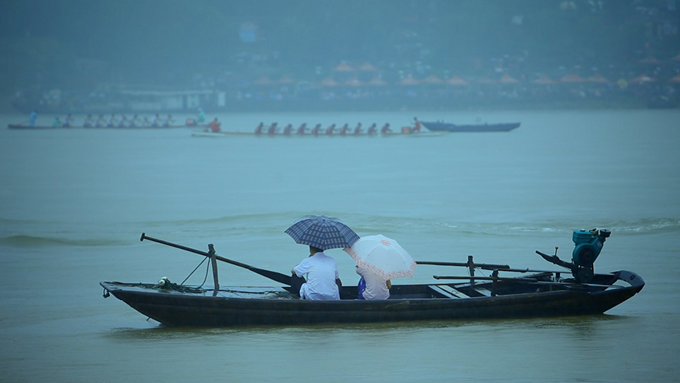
{"x":323,"y":278}
{"x":374,"y":287}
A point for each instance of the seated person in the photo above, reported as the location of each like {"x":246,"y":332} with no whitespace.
{"x":316,"y":129}
{"x":68,"y":120}
{"x":372,"y":130}
{"x":322,"y":276}
{"x":416,"y":128}
{"x":88,"y":123}
{"x":215,"y":126}
{"x":372,"y":286}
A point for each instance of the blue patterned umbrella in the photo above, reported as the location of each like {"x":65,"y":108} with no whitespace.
{"x":323,"y":232}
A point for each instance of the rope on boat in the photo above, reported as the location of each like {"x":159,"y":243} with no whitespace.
{"x":165,"y":284}
{"x":192,"y":273}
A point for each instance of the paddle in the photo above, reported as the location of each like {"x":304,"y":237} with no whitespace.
{"x":532,"y":280}
{"x":487,"y":266}
{"x":273,"y":275}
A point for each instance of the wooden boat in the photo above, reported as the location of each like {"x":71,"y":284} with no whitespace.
{"x":39,"y":127}
{"x":449,"y":127}
{"x":539,"y":294}
{"x":204,"y":133}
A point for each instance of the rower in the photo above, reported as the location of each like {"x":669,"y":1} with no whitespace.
{"x":258,"y":129}
{"x":302,"y":129}
{"x":329,"y":130}
{"x":385,"y":129}
{"x":123,"y":121}
{"x":288,"y":129}
{"x":155,"y":121}
{"x":372,"y":130}
{"x":316,"y":129}
{"x":215,"y":126}
{"x":416,"y":129}
{"x":111,"y":122}
{"x":88,"y":121}
{"x":344,"y":129}
{"x":67,"y":121}
{"x":272,"y":129}
{"x":32,"y":118}
{"x":357,"y":129}
{"x":168,"y":121}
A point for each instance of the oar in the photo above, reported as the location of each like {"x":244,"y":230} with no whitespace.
{"x":486,"y":266}
{"x":273,"y":275}
{"x":531,"y":280}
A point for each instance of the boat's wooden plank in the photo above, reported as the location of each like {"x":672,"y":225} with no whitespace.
{"x":452,"y":290}
{"x":447,"y":291}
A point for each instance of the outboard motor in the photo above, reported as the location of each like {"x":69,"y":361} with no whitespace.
{"x":587,"y":247}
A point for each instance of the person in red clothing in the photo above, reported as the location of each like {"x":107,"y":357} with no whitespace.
{"x":357,"y":129}
{"x":329,"y":130}
{"x":215,"y":126}
{"x":302,"y":129}
{"x":288,"y":129}
{"x":316,"y":129}
{"x":272,"y":129}
{"x":416,"y":129}
{"x":344,"y":129}
{"x":259,"y":128}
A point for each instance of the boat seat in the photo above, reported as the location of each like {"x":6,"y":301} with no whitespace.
{"x":447,"y":291}
{"x":483,"y":291}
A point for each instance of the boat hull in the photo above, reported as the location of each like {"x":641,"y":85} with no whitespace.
{"x":449,"y":127}
{"x":246,"y":306}
{"x":200,"y":133}
{"x":44,"y":127}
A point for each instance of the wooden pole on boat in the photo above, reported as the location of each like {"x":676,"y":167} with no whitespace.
{"x":471,"y":268}
{"x":213,"y":261}
{"x":273,"y":275}
{"x":486,"y":266}
{"x":494,"y":284}
{"x":530,"y":280}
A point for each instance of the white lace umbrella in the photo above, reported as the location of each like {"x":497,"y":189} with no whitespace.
{"x":383,"y":256}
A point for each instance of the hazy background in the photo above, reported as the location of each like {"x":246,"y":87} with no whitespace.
{"x":227,"y":45}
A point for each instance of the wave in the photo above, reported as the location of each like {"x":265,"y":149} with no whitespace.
{"x":259,"y":226}
{"x":35,"y":241}
{"x":278,"y":222}
{"x":383,"y":224}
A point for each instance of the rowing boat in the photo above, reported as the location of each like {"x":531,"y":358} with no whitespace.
{"x":539,"y":293}
{"x":203,"y":133}
{"x":449,"y":127}
{"x":43,"y":127}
